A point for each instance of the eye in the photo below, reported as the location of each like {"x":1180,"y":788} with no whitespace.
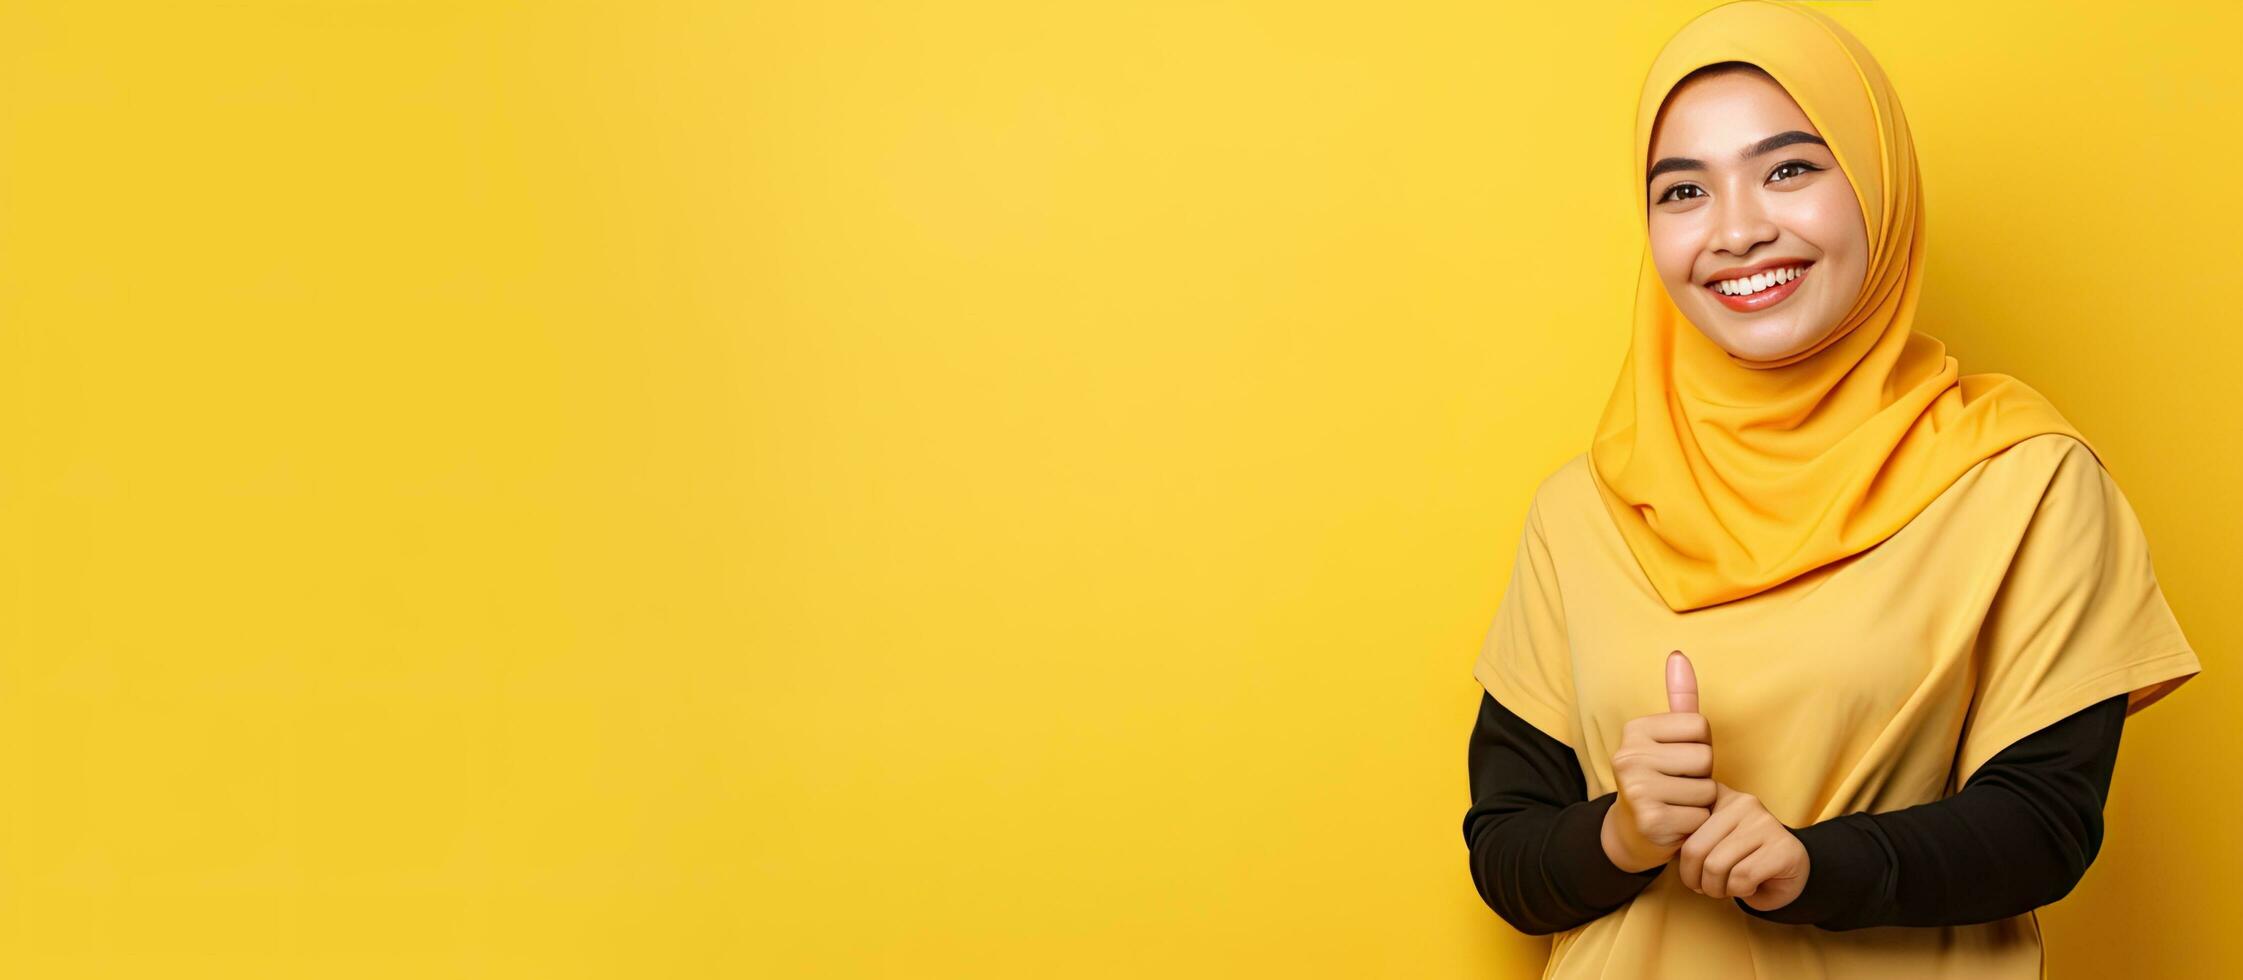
{"x":1804,"y":168}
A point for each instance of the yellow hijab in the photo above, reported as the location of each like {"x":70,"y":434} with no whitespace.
{"x":1730,"y":477}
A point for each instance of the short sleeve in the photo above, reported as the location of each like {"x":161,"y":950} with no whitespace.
{"x":1525,"y":662}
{"x":2078,"y":618}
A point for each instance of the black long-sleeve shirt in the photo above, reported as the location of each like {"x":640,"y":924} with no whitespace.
{"x":2017,"y":836}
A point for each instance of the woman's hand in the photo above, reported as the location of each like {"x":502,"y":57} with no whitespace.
{"x":1664,"y":768}
{"x":1742,"y":850}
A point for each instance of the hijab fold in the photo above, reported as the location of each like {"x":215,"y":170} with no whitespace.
{"x":1729,"y":477}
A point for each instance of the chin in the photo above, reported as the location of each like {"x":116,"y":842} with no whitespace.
{"x":1767,"y":353}
{"x":1767,"y":344}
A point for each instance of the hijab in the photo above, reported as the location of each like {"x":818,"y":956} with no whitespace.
{"x":1729,"y":477}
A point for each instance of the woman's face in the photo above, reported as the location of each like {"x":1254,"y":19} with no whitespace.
{"x":1741,"y":183}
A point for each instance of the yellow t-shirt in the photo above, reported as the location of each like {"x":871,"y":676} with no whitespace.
{"x":2022,"y":594}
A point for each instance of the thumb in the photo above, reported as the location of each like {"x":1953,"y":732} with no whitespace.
{"x":1682,"y":683}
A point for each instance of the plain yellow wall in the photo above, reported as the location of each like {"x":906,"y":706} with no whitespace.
{"x":928,"y":490}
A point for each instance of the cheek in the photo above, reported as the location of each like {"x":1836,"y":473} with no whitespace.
{"x":1829,"y":220}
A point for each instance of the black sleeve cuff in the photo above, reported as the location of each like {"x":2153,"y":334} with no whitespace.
{"x":1849,"y":871}
{"x":1578,"y":862}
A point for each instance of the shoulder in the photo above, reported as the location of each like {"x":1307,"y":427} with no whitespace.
{"x":1566,"y":504}
{"x":2064,"y":507}
{"x":1564,"y":489}
{"x":2049,"y":467}
{"x":2050,"y":450}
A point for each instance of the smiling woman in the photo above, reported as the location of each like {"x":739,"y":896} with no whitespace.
{"x":1815,"y":663}
{"x":1753,"y":226}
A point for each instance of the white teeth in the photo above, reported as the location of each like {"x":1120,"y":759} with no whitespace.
{"x":1755,"y":283}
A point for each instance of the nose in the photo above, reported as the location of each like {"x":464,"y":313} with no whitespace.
{"x":1740,"y":223}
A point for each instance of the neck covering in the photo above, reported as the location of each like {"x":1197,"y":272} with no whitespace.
{"x":1728,"y":477}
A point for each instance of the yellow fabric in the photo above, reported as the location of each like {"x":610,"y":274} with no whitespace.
{"x":1728,"y":477}
{"x":2020,"y":595}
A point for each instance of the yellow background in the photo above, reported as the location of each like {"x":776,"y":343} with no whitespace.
{"x":928,"y":489}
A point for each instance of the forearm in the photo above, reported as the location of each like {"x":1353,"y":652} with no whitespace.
{"x":1536,"y":850}
{"x":2019,"y":836}
{"x":1543,"y":870}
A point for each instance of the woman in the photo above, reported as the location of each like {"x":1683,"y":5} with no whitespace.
{"x":1815,"y":663}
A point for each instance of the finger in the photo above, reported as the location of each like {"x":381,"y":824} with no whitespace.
{"x":1724,"y":858}
{"x":1682,"y":683}
{"x":1681,"y":758}
{"x":1690,"y":860}
{"x":1746,"y":878}
{"x":1687,"y":726}
{"x":1669,"y":826}
{"x":1678,"y":790}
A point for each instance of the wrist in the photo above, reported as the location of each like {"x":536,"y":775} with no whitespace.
{"x":1847,"y":873}
{"x":1577,"y":866}
{"x":1617,"y":841}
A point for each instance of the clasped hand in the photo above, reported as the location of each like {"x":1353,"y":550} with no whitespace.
{"x":1670,"y":806}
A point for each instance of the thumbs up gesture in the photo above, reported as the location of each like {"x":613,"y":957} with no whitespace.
{"x":1664,"y":768}
{"x":1738,"y":848}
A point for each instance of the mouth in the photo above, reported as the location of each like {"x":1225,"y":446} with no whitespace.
{"x":1759,"y":292}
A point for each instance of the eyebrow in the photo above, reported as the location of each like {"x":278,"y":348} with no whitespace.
{"x":1776,"y":142}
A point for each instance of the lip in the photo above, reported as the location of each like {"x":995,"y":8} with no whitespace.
{"x":1766,"y":297}
{"x":1752,"y":270}
{"x":1742,"y":271}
